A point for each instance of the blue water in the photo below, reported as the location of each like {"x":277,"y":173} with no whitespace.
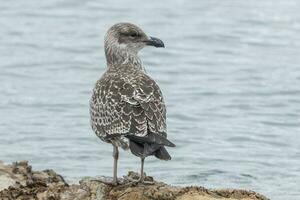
{"x":230,"y":75}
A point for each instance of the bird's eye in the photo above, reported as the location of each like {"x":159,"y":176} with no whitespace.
{"x":133,"y":34}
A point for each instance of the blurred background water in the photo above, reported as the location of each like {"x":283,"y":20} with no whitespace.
{"x":230,"y":75}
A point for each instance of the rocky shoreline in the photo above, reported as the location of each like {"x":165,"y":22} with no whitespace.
{"x":19,"y":182}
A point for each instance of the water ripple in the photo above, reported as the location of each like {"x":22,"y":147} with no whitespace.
{"x":229,"y":72}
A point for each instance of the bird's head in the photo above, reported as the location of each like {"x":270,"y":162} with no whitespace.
{"x":127,"y":37}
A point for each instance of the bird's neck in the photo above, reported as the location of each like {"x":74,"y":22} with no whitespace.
{"x":116,"y":57}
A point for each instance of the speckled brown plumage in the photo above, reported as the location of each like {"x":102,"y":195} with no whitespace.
{"x":127,"y":101}
{"x":127,"y":107}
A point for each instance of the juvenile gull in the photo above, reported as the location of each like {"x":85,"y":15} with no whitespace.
{"x":127,"y":107}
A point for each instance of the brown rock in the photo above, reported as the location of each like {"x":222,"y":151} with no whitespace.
{"x":19,"y":182}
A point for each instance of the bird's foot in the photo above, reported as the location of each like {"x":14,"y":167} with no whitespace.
{"x":134,"y":178}
{"x":109,"y":180}
{"x":135,"y":182}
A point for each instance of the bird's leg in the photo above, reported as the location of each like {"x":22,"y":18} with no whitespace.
{"x":141,"y":180}
{"x":116,"y":157}
{"x":142,"y":175}
{"x":111,"y":180}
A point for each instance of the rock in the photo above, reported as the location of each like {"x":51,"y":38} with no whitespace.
{"x":19,"y":182}
{"x":29,"y":184}
{"x":6,"y":181}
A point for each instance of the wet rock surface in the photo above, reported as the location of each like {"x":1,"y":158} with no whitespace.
{"x":19,"y":182}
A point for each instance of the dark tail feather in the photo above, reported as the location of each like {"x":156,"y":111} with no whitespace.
{"x":143,"y":150}
{"x":162,"y":154}
{"x":136,"y":149}
{"x":151,"y":138}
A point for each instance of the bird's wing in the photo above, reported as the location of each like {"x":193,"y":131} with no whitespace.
{"x":144,"y":101}
{"x":127,"y":105}
{"x":105,"y":108}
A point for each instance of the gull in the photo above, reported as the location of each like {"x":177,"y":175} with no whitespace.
{"x":127,"y":108}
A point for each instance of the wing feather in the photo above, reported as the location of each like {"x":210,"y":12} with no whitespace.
{"x":124,"y":103}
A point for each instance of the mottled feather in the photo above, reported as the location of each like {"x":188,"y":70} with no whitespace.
{"x":127,"y":107}
{"x":127,"y":101}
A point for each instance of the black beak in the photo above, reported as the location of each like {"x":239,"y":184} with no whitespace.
{"x":155,"y":42}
